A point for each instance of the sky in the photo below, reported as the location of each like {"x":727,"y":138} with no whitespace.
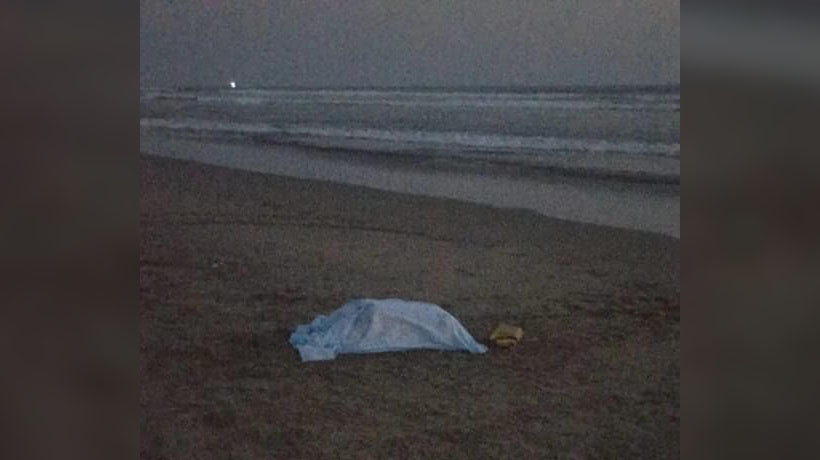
{"x":409,"y":43}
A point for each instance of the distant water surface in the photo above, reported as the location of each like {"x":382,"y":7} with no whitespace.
{"x":605,"y":129}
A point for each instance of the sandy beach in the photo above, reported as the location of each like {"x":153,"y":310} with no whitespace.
{"x":231,"y":261}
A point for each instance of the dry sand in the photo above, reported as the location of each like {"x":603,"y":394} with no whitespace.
{"x":231,"y":261}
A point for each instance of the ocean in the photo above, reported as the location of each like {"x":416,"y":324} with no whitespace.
{"x":621,"y":136}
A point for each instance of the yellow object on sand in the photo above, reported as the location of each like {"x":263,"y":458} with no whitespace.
{"x":506,"y":336}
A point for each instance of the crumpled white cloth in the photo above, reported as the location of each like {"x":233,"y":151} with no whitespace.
{"x":372,"y":326}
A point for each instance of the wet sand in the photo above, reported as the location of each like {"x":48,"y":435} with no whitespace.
{"x":231,"y":261}
{"x":623,"y":200}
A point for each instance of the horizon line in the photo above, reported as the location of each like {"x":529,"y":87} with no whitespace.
{"x":523,"y":86}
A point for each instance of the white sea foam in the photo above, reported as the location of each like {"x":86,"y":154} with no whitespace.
{"x":438,"y":139}
{"x":546,"y":100}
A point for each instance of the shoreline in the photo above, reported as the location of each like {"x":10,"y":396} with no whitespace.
{"x":477,"y":162}
{"x":653,"y":207}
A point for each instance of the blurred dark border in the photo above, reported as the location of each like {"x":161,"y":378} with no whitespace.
{"x":69,"y":109}
{"x":751,"y":230}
